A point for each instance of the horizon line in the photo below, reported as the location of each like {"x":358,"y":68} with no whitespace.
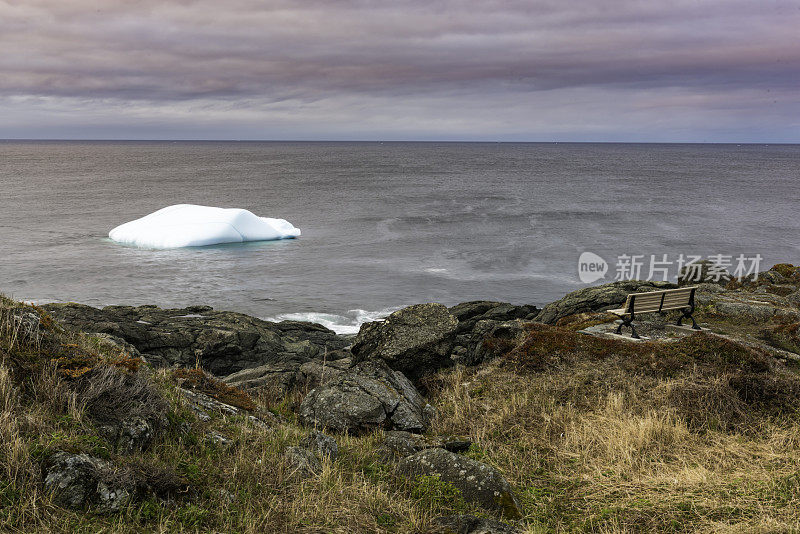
{"x":177,"y":140}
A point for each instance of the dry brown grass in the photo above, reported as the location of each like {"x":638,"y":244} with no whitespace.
{"x":185,"y":481}
{"x":599,"y":436}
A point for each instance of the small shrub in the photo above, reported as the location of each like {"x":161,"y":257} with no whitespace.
{"x":111,"y":396}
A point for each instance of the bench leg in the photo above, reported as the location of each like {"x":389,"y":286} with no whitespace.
{"x":628,"y":321}
{"x":634,"y":335}
{"x":687,"y":314}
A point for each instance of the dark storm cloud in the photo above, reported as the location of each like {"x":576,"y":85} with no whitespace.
{"x":248,"y":54}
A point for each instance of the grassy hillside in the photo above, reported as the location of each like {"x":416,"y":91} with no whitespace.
{"x":594,"y":434}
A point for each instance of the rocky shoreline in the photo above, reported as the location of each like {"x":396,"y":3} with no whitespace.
{"x":378,"y":380}
{"x":250,"y":352}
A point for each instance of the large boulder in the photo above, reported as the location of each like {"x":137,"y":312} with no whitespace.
{"x":399,"y":444}
{"x":221,"y":342}
{"x":481,"y":344}
{"x":279,"y":377}
{"x":79,"y":480}
{"x":598,"y":298}
{"x":369,"y":395}
{"x":415,"y":340}
{"x":478,"y":483}
{"x":284,"y":376}
{"x":470,"y":313}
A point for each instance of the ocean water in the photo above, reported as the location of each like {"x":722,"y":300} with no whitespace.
{"x":384,"y":224}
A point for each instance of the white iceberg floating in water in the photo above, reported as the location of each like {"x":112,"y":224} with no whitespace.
{"x":186,"y":225}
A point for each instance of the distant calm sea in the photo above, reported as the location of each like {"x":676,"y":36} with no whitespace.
{"x":384,"y":224}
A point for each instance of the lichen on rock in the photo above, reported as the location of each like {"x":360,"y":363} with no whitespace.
{"x":369,"y":395}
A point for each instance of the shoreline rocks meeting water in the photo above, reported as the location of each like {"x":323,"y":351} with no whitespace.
{"x":379,"y":379}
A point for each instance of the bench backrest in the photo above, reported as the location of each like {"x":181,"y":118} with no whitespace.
{"x":656,"y":301}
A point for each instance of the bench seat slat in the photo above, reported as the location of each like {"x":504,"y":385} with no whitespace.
{"x":655,"y":307}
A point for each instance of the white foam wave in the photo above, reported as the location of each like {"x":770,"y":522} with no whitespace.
{"x":347,"y":323}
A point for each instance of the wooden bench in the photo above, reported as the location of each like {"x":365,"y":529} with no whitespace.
{"x":657,"y":301}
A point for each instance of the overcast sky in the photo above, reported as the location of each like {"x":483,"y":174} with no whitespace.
{"x":552,"y":70}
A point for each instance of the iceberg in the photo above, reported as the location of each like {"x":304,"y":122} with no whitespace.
{"x":187,"y":225}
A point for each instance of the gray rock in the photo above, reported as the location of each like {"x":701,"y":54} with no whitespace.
{"x":222,"y":342}
{"x":750,"y":312}
{"x":26,"y":324}
{"x":469,"y":313}
{"x":399,"y":444}
{"x":318,"y":372}
{"x":321,"y":444}
{"x":365,"y":397}
{"x":302,"y":462}
{"x":706,"y":287}
{"x":202,"y":415}
{"x":72,"y":478}
{"x":707,"y":293}
{"x":470,"y":524}
{"x":283,"y":377}
{"x":80,"y":480}
{"x":754,"y":307}
{"x":279,"y":377}
{"x":113,"y":497}
{"x":476,"y":349}
{"x":415,"y":341}
{"x":598,"y":298}
{"x":202,"y":401}
{"x":478,"y":482}
{"x":219,"y":440}
{"x":135,"y":434}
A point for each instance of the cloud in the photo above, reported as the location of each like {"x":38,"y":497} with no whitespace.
{"x":440,"y":68}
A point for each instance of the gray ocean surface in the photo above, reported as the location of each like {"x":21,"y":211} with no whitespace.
{"x":384,"y":224}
